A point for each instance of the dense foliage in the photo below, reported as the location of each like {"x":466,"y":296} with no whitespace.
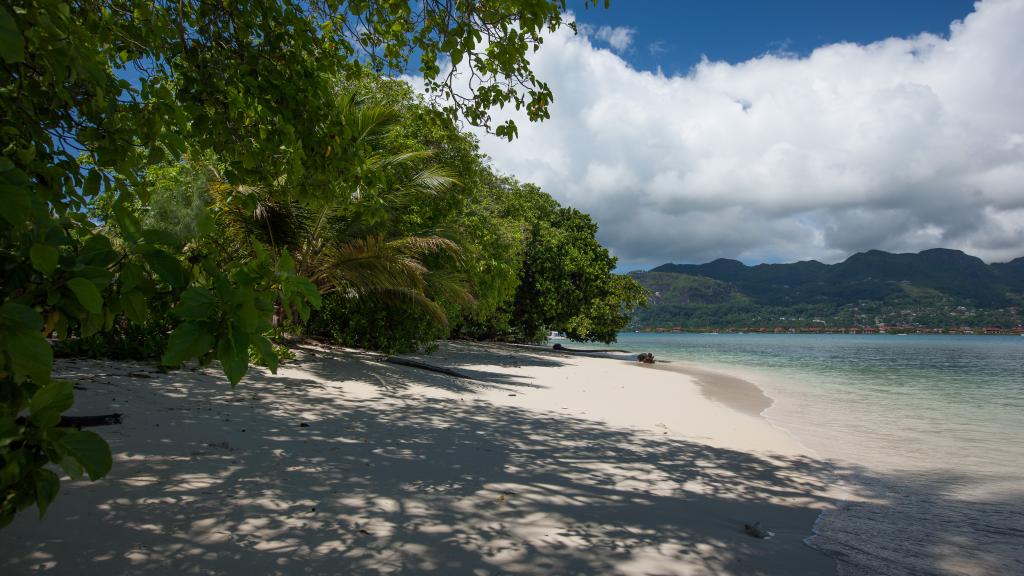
{"x":934,"y":289}
{"x":566,"y":281}
{"x":180,"y":177}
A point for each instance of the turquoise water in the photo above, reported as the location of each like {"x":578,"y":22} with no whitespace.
{"x":926,"y":432}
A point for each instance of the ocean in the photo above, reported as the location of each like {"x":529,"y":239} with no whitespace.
{"x":926,"y":433}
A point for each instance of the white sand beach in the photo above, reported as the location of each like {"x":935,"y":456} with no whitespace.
{"x":545,"y":463}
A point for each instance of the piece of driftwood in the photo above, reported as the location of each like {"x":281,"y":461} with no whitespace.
{"x":561,"y":348}
{"x":90,"y":421}
{"x":424,"y":366}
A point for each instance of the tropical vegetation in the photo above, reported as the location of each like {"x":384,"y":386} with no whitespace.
{"x":187,"y":181}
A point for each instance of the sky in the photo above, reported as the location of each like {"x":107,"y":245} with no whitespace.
{"x":784,"y":131}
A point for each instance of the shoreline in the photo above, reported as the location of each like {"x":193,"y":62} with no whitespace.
{"x":545,"y":463}
{"x":909,"y":452}
{"x":732,"y":391}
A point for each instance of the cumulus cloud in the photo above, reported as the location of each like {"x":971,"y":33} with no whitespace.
{"x":902,"y":145}
{"x":620,"y":38}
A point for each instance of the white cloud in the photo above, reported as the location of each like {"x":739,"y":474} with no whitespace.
{"x":902,"y":145}
{"x":620,"y":38}
{"x":657,"y":48}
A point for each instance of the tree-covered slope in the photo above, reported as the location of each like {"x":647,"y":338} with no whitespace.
{"x":937,"y":288}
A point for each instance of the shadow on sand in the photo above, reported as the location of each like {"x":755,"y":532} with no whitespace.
{"x":212,"y":481}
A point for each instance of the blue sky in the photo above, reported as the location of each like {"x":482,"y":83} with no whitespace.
{"x":675,"y":34}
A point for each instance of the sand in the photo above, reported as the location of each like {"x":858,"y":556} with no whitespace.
{"x":341,"y":464}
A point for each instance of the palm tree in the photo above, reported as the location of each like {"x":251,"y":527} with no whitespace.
{"x":328,"y":242}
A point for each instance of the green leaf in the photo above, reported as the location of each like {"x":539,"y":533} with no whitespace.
{"x":156,"y":154}
{"x":50,"y":402}
{"x":46,"y":484}
{"x":97,"y":252}
{"x":87,"y":294}
{"x":72,"y":468}
{"x":9,"y":430}
{"x":285,"y":263}
{"x":167,"y":267}
{"x":20,"y":317}
{"x":134,"y":304}
{"x":131,"y":276}
{"x":30,"y":355}
{"x":157,"y":236}
{"x":92,"y":184}
{"x":245,"y":312}
{"x":44,"y":258}
{"x":187,"y":341}
{"x":12,"y":47}
{"x":266,"y":351}
{"x":91,"y":451}
{"x":127,"y":222}
{"x":196,"y":304}
{"x":205,"y":223}
{"x":96,"y":243}
{"x":15,"y":193}
{"x":91,"y":324}
{"x":233,"y":353}
{"x":98,"y":275}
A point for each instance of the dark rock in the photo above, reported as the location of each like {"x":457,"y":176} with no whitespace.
{"x":756,"y":530}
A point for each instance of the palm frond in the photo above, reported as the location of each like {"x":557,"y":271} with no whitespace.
{"x":251,"y":212}
{"x":370,"y":122}
{"x":400,"y":158}
{"x":430,"y":180}
{"x":420,"y":246}
{"x":449,"y":286}
{"x":416,"y":300}
{"x":367,"y":264}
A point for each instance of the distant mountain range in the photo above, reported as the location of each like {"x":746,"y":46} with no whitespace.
{"x":936,"y":288}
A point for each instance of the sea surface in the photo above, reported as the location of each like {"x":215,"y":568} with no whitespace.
{"x":926,"y":433}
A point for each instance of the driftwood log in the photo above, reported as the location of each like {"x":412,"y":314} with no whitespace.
{"x":424,"y":366}
{"x":561,"y":348}
{"x":90,"y":421}
{"x":82,"y":421}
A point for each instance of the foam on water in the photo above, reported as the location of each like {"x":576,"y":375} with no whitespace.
{"x":926,"y":433}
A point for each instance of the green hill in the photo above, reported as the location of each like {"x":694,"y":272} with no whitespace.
{"x":935,"y":288}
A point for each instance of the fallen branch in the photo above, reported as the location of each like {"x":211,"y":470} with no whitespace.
{"x":561,"y":348}
{"x":90,"y":421}
{"x":425,"y":366}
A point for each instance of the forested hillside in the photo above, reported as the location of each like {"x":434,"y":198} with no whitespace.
{"x":936,"y":288}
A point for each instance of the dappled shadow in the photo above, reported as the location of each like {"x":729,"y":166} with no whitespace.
{"x":914,"y":522}
{"x":370,"y":367}
{"x":214,"y":481}
{"x":467,"y":353}
{"x":379,"y":481}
